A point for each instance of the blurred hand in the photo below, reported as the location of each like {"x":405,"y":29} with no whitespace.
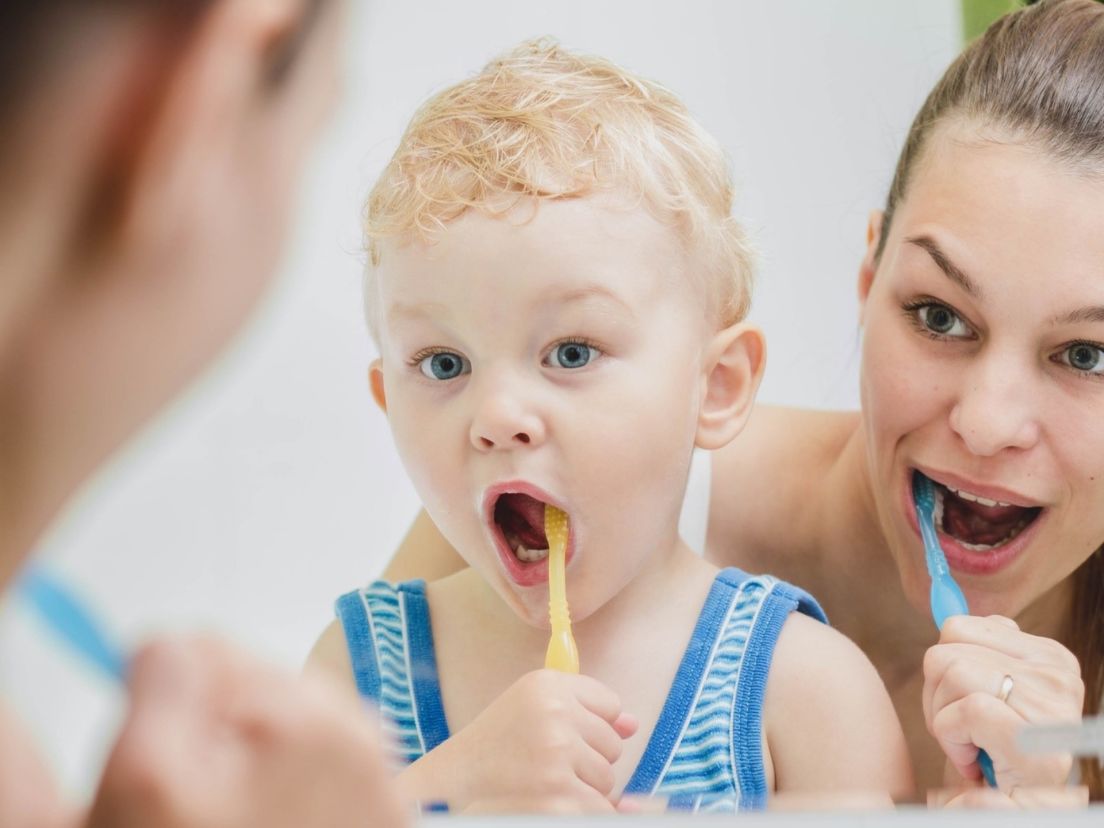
{"x":214,"y":738}
{"x":963,"y":675}
{"x":547,"y":744}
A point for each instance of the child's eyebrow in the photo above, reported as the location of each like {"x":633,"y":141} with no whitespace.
{"x":589,"y":293}
{"x":420,"y":310}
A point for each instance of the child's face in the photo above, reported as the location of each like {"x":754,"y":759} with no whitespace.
{"x":557,"y":359}
{"x":983,"y":367}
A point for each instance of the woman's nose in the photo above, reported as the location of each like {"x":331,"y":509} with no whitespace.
{"x":997,"y":409}
{"x":506,"y":419}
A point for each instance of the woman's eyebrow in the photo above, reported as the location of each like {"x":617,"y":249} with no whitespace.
{"x":949,"y":268}
{"x":1092,"y":313}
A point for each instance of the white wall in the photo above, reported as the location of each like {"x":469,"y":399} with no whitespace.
{"x":272,"y":486}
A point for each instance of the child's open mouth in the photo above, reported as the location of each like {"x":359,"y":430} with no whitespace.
{"x":514,"y":512}
{"x":520,"y":519}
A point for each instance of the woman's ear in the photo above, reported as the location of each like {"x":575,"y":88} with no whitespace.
{"x":733,"y":369}
{"x":375,"y":381}
{"x":200,"y":92}
{"x":869,"y":263}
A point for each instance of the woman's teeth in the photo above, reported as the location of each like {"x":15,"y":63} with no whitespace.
{"x":984,"y":501}
{"x":985,"y":547}
{"x":974,"y":547}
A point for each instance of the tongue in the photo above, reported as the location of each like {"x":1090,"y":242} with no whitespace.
{"x":523,"y":516}
{"x":974,"y":523}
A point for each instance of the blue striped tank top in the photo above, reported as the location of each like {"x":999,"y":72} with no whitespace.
{"x":705,"y":752}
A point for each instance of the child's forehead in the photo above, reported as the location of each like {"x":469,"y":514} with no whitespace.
{"x":598,"y":228}
{"x":596,"y":252}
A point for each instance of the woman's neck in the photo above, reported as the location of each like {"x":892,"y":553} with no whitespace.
{"x":893,"y":633}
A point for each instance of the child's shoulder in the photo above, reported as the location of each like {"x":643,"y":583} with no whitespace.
{"x":824,"y":698}
{"x":357,"y":609}
{"x":329,"y":657}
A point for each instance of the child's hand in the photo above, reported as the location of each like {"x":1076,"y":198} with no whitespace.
{"x":548,"y":743}
{"x":963,"y":678}
{"x":213,"y":738}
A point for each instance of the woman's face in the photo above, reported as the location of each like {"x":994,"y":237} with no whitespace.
{"x":983,"y":368}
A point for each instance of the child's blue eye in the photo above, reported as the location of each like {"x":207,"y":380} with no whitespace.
{"x":443,"y":365}
{"x":573,"y":354}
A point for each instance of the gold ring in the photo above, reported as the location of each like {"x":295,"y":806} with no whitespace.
{"x":1006,"y":688}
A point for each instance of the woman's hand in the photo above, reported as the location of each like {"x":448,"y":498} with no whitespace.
{"x":214,"y":738}
{"x":964,"y":677}
{"x":548,"y":743}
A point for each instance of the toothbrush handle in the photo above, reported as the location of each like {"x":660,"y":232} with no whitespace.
{"x":947,"y":600}
{"x":986,"y":765}
{"x":562,"y":654}
{"x":68,"y":619}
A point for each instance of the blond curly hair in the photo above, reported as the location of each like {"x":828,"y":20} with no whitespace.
{"x":542,"y":122}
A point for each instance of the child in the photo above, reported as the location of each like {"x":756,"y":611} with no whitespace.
{"x":557,"y":287}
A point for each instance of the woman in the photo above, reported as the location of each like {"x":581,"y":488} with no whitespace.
{"x":149,"y":151}
{"x":982,"y":306}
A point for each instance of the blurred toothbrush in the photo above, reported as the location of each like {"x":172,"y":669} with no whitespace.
{"x":946,"y":596}
{"x":562,"y":654}
{"x":71,"y":621}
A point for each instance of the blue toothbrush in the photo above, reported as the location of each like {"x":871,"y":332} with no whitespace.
{"x":946,"y":596}
{"x":71,"y":621}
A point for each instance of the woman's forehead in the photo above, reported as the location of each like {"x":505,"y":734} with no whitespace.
{"x":1010,"y":219}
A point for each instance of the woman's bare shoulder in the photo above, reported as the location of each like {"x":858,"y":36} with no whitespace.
{"x":767,"y":482}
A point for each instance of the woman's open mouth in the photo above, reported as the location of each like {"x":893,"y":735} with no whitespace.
{"x":980,"y":534}
{"x":515,"y":514}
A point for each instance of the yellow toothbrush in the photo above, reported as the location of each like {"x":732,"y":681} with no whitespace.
{"x":562,"y":654}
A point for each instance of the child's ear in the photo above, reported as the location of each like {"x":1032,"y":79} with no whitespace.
{"x":869,"y":263}
{"x":733,"y":370}
{"x":375,"y":381}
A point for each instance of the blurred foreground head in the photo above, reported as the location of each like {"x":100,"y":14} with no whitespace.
{"x":150,"y":151}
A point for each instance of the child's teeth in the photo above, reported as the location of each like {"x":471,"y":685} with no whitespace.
{"x":529,"y":555}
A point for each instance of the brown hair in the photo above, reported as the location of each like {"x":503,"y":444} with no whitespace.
{"x":37,"y":37}
{"x":1037,"y":74}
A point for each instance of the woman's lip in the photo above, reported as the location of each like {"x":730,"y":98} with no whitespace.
{"x":521,"y":573}
{"x":985,"y":490}
{"x":969,"y":561}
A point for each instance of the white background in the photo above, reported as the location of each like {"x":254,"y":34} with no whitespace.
{"x":272,"y":486}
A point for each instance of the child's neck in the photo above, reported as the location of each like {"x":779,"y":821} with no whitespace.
{"x":671,"y":576}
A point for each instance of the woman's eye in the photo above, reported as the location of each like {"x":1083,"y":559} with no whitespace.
{"x":939,"y":319}
{"x":573,"y":354}
{"x":1081,"y":356}
{"x":444,"y":365}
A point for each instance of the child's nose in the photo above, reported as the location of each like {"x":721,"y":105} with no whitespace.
{"x":504,"y":421}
